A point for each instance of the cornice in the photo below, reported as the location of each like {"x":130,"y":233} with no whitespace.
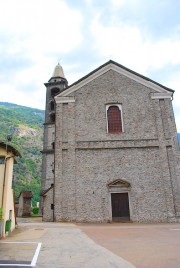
{"x":161,"y":95}
{"x":62,"y":99}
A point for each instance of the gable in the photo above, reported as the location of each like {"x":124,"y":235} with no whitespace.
{"x":111,"y":65}
{"x":119,"y":183}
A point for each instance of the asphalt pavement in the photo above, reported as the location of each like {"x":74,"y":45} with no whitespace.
{"x":65,"y":245}
{"x":61,"y":245}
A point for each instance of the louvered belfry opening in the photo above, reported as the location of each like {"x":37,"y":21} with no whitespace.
{"x":114,"y":119}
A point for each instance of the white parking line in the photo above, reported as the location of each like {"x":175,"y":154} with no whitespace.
{"x":34,"y":259}
{"x":15,"y":264}
{"x":19,"y":242}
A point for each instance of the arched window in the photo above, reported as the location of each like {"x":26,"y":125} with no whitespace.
{"x":114,"y":119}
{"x":54,"y":91}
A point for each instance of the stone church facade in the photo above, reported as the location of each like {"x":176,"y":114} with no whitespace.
{"x":110,"y":149}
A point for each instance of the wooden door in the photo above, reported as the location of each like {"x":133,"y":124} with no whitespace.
{"x":120,"y":207}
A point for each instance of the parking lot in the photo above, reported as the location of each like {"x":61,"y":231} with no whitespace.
{"x":127,"y":245}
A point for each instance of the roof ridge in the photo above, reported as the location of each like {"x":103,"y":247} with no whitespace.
{"x":123,"y":67}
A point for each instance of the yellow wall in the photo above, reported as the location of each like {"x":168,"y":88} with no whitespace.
{"x":1,"y":182}
{"x":8,"y":200}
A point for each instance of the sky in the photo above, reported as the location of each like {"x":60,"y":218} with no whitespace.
{"x":35,"y":35}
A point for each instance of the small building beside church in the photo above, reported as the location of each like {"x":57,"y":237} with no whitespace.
{"x":110,"y":149}
{"x":7,"y":205}
{"x":25,"y":205}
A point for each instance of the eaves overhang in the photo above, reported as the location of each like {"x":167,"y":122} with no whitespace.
{"x":10,"y":148}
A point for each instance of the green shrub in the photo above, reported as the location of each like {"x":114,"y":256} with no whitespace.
{"x":35,"y":210}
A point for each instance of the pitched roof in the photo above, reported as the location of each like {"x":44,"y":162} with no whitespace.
{"x":26,"y":194}
{"x":10,"y":148}
{"x":43,"y":192}
{"x":119,"y":68}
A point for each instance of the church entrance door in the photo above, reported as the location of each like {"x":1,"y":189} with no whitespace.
{"x":120,"y":207}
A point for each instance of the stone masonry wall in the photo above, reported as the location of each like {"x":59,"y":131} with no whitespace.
{"x":48,"y":171}
{"x":47,"y":211}
{"x":137,"y":109}
{"x":138,"y":166}
{"x":87,"y":158}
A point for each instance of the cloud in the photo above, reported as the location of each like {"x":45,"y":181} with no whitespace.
{"x":41,"y":24}
{"x":85,"y":34}
{"x":33,"y":35}
{"x":130,"y":46}
{"x":173,"y":81}
{"x":118,"y":3}
{"x":138,"y":50}
{"x":34,"y":28}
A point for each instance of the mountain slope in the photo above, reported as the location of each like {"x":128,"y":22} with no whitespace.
{"x":26,"y":126}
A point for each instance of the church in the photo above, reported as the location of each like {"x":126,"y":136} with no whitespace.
{"x":110,"y":149}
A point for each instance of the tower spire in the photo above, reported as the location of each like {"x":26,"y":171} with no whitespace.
{"x":58,"y":71}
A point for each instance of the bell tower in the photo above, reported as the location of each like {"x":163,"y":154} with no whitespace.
{"x":56,"y":84}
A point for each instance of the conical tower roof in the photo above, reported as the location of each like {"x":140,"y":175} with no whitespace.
{"x":58,"y":71}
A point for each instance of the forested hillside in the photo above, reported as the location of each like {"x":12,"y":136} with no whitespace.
{"x":26,"y":126}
